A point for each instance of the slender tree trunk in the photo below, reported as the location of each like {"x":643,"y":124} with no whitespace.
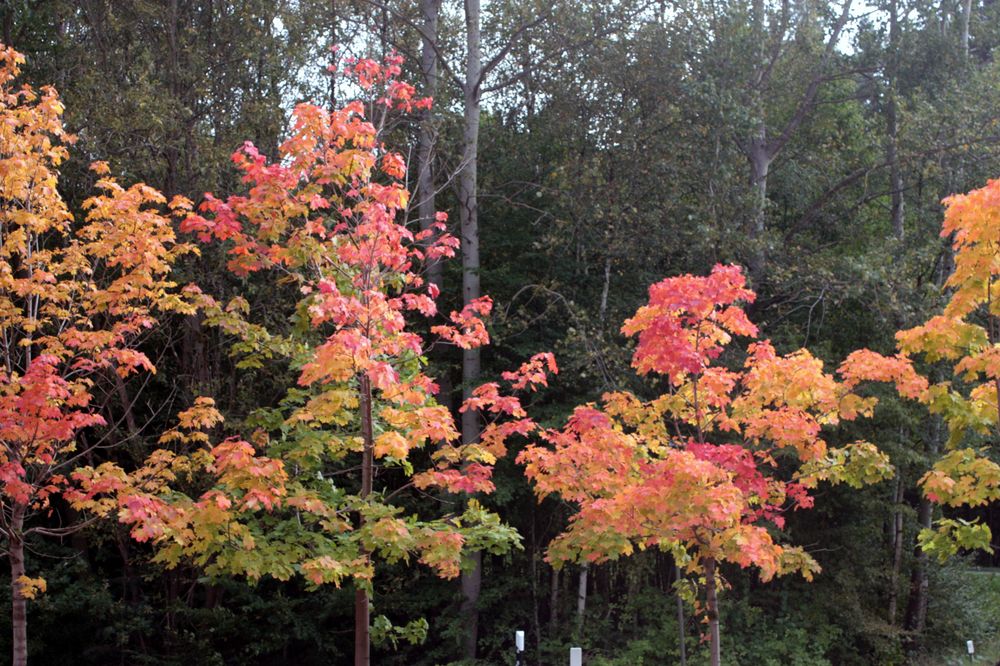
{"x":916,"y":608}
{"x":681,"y":621}
{"x":966,"y":19}
{"x":19,"y":604}
{"x":469,"y":219}
{"x":760,"y":164}
{"x":897,"y":550}
{"x":333,"y":43}
{"x":554,"y":601}
{"x":892,"y":128}
{"x":362,"y":640}
{"x":426,"y":209}
{"x":605,"y":290}
{"x":581,"y":597}
{"x":712,"y":606}
{"x":758,"y":153}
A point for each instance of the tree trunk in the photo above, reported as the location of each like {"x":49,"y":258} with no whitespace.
{"x":362,"y":639}
{"x":966,"y":20}
{"x":19,"y":604}
{"x":916,"y":608}
{"x":554,"y":602}
{"x":897,"y":550}
{"x":429,"y":10}
{"x":603,"y":311}
{"x":469,"y":219}
{"x":758,"y":153}
{"x":712,"y":606}
{"x":581,"y":597}
{"x":760,"y":164}
{"x":472,"y":583}
{"x":892,"y":129}
{"x":681,"y":621}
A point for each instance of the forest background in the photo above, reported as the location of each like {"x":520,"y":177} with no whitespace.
{"x":584,"y":151}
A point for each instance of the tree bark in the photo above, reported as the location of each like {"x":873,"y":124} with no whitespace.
{"x":426,"y":209}
{"x":712,"y":606}
{"x":966,"y":19}
{"x":581,"y":597}
{"x":362,"y":638}
{"x":892,"y":128}
{"x":681,"y":621}
{"x":916,"y":608}
{"x":469,"y":219}
{"x":19,"y":604}
{"x":897,"y":550}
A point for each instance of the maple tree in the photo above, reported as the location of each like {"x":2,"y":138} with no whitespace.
{"x":312,"y":487}
{"x":966,"y":337}
{"x":76,"y":299}
{"x":702,"y":470}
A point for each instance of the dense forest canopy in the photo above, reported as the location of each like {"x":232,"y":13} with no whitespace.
{"x":373,"y":331}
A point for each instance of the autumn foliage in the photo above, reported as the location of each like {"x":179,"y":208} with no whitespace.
{"x":77,"y":297}
{"x":959,"y":377}
{"x":309,"y":488}
{"x":708,"y":469}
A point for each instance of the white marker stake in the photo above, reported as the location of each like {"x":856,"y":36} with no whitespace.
{"x":576,"y":657}
{"x":519,"y":640}
{"x":971,"y":648}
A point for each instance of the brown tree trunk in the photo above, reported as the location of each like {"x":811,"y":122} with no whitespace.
{"x":712,"y":606}
{"x":681,"y":621}
{"x":362,"y":639}
{"x":19,"y":604}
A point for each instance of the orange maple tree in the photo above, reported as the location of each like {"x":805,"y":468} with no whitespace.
{"x":695,"y":471}
{"x":311,"y":488}
{"x":964,"y":342}
{"x":76,"y":298}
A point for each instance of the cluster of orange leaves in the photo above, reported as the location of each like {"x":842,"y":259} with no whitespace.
{"x":76,"y":296}
{"x":966,"y":336}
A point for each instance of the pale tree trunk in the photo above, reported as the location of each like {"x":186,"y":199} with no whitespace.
{"x":760,"y":164}
{"x":892,"y":125}
{"x":603,"y":311}
{"x":712,"y":607}
{"x":581,"y":597}
{"x":362,"y":606}
{"x":966,"y":19}
{"x":19,"y":604}
{"x":429,"y":10}
{"x":758,"y":153}
{"x":468,"y":208}
{"x":333,"y":42}
{"x":897,"y":550}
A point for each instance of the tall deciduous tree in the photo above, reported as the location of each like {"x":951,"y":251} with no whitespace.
{"x":696,"y":470}
{"x":76,"y":299}
{"x":312,"y":492}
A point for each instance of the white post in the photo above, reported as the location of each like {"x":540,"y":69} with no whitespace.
{"x":576,"y":656}
{"x":971,"y":647}
{"x":519,"y":647}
